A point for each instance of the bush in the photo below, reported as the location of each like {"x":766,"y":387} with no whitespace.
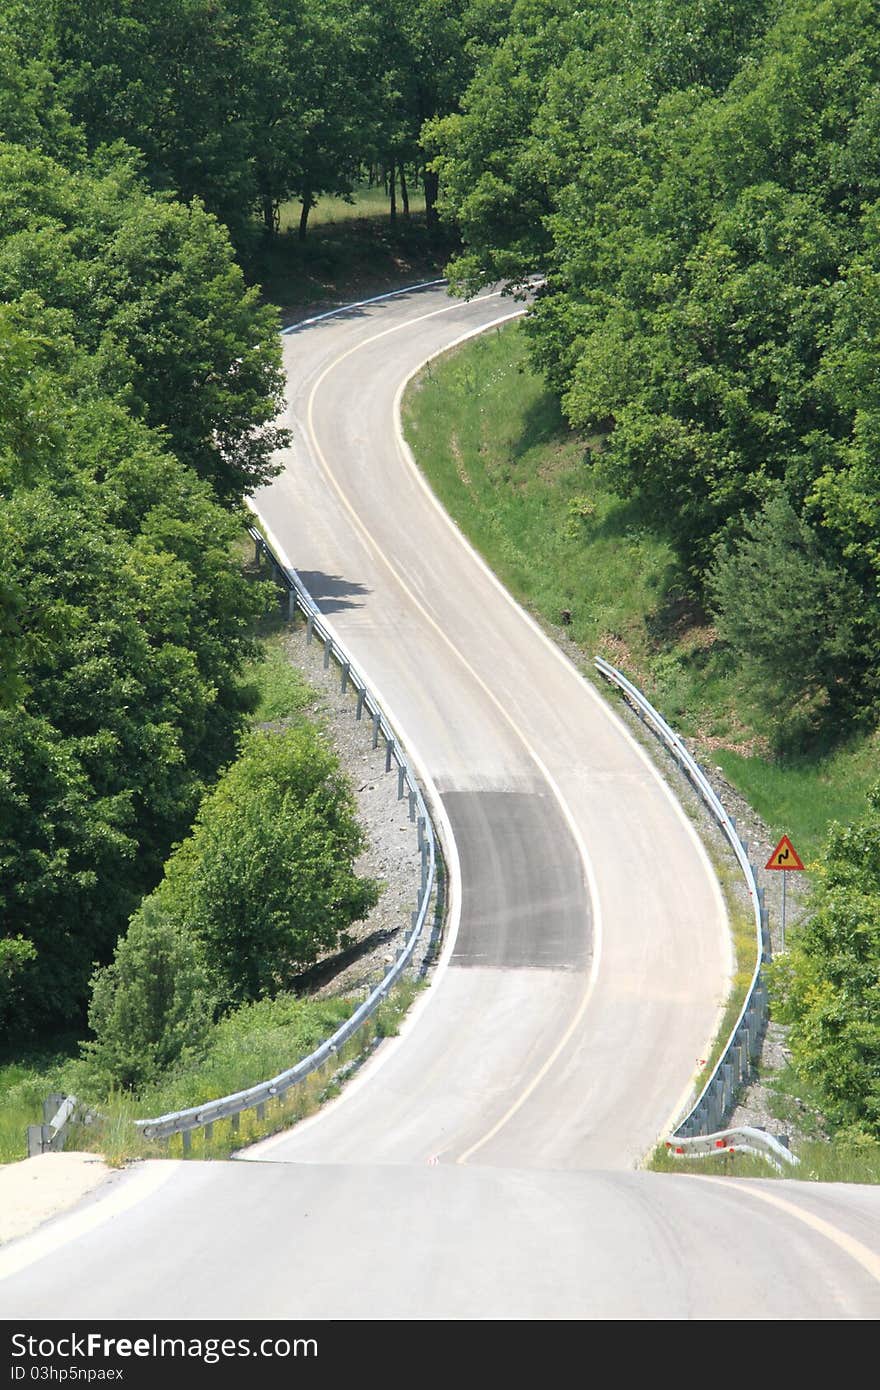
{"x":150,"y":1005}
{"x":266,"y":881}
{"x":828,"y":986}
{"x":790,"y":614}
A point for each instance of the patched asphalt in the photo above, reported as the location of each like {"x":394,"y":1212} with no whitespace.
{"x":525,"y":903}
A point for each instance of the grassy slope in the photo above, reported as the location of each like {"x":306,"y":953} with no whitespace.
{"x":498,"y":453}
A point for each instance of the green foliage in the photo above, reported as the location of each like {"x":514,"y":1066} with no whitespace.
{"x":171,"y":79}
{"x":828,"y":986}
{"x":150,"y":1005}
{"x":25,"y":1081}
{"x":253,"y":1042}
{"x":32,"y":111}
{"x":791,"y":617}
{"x":698,"y":183}
{"x":266,"y":880}
{"x":282,"y":691}
{"x":124,"y":641}
{"x":151,"y":291}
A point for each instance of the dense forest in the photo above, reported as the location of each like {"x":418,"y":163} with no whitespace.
{"x":697,"y":185}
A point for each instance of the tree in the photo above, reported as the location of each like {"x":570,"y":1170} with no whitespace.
{"x":126,"y":637}
{"x":266,"y":880}
{"x":313,"y":104}
{"x":169,"y":78}
{"x":152,"y":291}
{"x":791,"y":615}
{"x":828,"y":985}
{"x":32,"y":112}
{"x":150,"y":1005}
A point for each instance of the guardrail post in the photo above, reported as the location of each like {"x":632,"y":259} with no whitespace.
{"x":412,"y":804}
{"x":236,"y":1118}
{"x":401,"y":778}
{"x":209,"y":1132}
{"x":35,"y":1140}
{"x":328,"y":646}
{"x":261,"y":1110}
{"x":424,"y":867}
{"x":362,"y":695}
{"x":377,"y":720}
{"x":346,"y":667}
{"x":291,"y":604}
{"x":187,"y":1142}
{"x":420,"y":826}
{"x":389,"y":753}
{"x":310,"y":626}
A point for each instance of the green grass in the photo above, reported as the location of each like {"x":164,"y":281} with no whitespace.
{"x":367,"y":201}
{"x":497,"y":451}
{"x":351,"y":251}
{"x":523,"y":488}
{"x":837,"y":1161}
{"x":254,"y":1043}
{"x":283,"y":691}
{"x":801,"y":800}
{"x":257,"y":1042}
{"x":25,"y":1082}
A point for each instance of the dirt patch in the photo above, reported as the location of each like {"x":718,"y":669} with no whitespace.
{"x":36,"y":1188}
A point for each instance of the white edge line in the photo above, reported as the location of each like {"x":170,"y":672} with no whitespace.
{"x":589,"y":875}
{"x":610,"y":713}
{"x":365,"y":1073}
{"x":360,"y":304}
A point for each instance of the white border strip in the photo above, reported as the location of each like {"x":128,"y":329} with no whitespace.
{"x":361,"y":304}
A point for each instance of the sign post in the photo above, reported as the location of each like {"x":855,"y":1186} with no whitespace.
{"x":786,"y":859}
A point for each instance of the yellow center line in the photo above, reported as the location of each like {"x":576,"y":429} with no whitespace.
{"x":376,"y":548}
{"x":855,"y":1249}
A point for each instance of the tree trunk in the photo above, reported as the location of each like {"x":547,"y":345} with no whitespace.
{"x":392,"y":188}
{"x":432,"y":183}
{"x":268,"y":216}
{"x":404,"y":194}
{"x":304,"y":215}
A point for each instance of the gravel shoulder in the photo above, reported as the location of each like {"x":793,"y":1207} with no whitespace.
{"x":391,"y":855}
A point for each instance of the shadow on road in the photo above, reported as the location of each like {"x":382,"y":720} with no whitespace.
{"x":331,"y":592}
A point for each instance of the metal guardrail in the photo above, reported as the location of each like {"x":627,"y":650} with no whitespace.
{"x":60,"y":1114}
{"x":255,"y":1097}
{"x":715,"y":1101}
{"x":744,"y":1140}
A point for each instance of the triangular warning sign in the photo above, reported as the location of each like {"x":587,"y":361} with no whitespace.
{"x":785,"y":856}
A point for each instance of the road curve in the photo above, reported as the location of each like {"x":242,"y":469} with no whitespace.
{"x":483,"y":1164}
{"x":592,"y":953}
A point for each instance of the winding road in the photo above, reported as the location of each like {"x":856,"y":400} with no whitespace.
{"x":484,"y":1163}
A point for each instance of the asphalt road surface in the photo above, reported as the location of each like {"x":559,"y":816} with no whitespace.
{"x":483,"y":1164}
